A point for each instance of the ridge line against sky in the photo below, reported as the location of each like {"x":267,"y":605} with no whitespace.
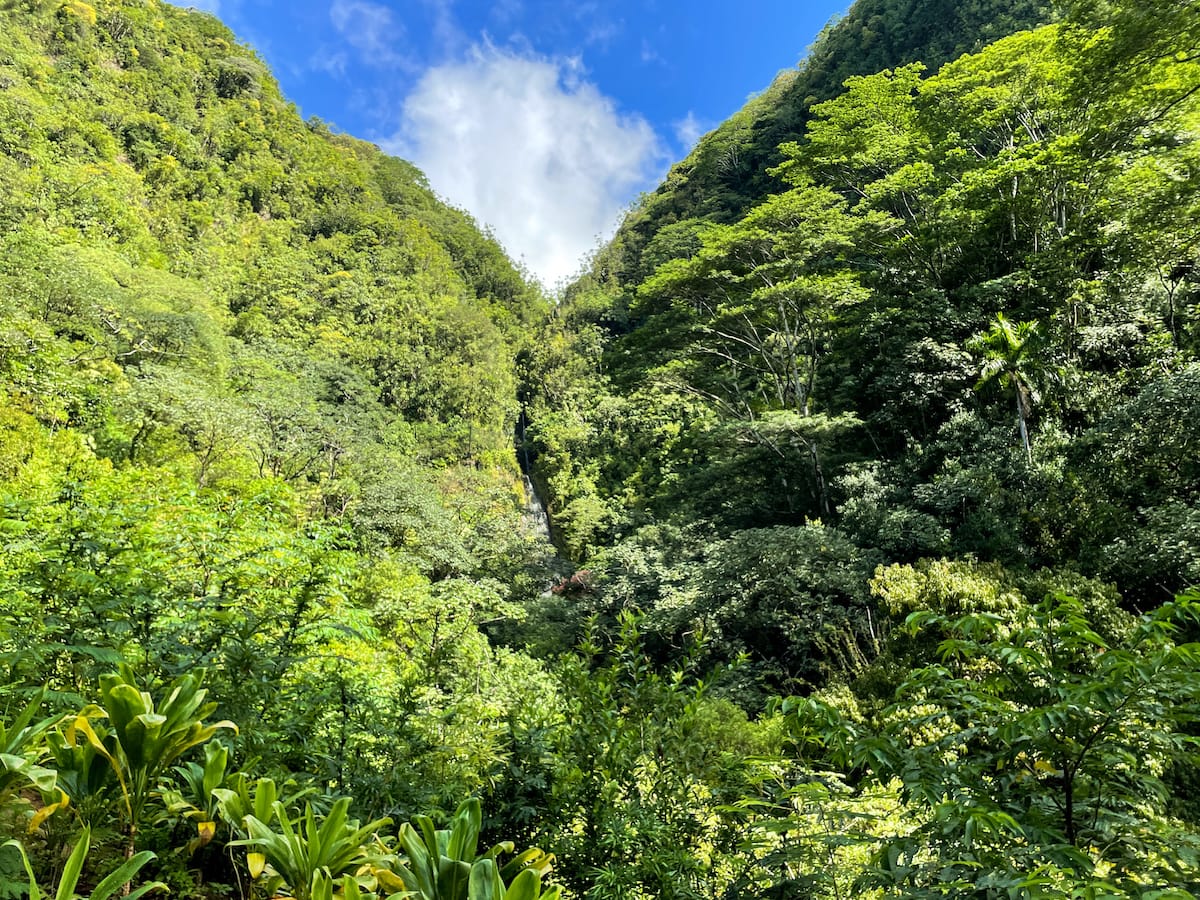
{"x":545,"y":120}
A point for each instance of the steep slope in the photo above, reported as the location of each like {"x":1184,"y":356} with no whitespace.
{"x":729,"y":170}
{"x":143,"y":143}
{"x":949,"y":334}
{"x":255,"y":401}
{"x":257,"y":388}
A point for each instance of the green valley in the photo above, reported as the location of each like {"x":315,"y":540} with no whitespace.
{"x":870,"y":448}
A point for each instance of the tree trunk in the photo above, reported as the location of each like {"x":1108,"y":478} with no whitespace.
{"x":1023,"y":422}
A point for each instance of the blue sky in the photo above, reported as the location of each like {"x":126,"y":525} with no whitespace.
{"x":542,"y":118}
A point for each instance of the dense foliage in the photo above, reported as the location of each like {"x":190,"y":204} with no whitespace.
{"x":870,"y":448}
{"x":952,"y":355}
{"x":967,"y":327}
{"x":257,"y":387}
{"x":730,"y":169}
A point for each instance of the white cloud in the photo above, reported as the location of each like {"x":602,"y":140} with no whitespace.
{"x":505,"y":12}
{"x":649,"y":54}
{"x":531,"y":150}
{"x":331,"y":63}
{"x":688,"y":131}
{"x":370,"y":28}
{"x":603,"y":32}
{"x":447,"y":36}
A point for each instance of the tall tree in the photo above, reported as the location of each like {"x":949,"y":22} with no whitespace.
{"x":1009,"y":357}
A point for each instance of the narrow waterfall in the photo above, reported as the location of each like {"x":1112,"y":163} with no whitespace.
{"x":535,"y":520}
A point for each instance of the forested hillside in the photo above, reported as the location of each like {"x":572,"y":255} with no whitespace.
{"x":258,"y":398}
{"x":946,"y":367}
{"x":872,"y":439}
{"x":965,"y":326}
{"x":730,"y":170}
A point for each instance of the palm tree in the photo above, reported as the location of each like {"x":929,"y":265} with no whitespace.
{"x":1007,"y":349}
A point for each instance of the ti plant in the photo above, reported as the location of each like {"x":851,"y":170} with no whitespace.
{"x":194,"y":794}
{"x":112,"y":883}
{"x":210,"y":795}
{"x":442,"y":864}
{"x":141,"y":740}
{"x":323,"y":888}
{"x":19,"y":758}
{"x":307,"y":855}
{"x":240,"y":798}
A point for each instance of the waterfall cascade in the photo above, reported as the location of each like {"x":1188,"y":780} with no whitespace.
{"x":535,"y":520}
